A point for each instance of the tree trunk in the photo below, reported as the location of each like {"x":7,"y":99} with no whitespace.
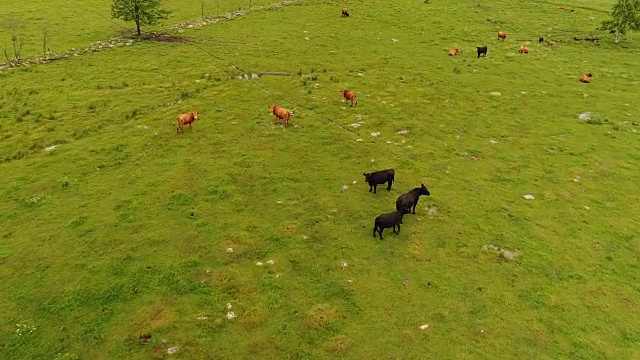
{"x":138,"y":24}
{"x":617,"y":37}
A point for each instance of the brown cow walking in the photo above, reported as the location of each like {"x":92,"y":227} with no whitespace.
{"x":502,"y":35}
{"x":350,"y":96}
{"x":523,"y":50}
{"x":281,"y":114}
{"x":586,"y":78}
{"x":184,"y":119}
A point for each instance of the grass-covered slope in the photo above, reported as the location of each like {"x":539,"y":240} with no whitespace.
{"x":123,"y":228}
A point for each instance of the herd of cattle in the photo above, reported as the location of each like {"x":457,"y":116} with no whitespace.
{"x":407,"y":202}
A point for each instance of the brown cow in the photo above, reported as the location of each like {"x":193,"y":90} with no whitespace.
{"x":281,"y":114}
{"x":523,"y":50}
{"x":454,"y":51}
{"x":184,"y":119}
{"x":345,"y":12}
{"x":502,"y":35}
{"x":350,"y":96}
{"x":586,"y":78}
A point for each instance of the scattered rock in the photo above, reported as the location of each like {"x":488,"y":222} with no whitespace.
{"x":424,"y":327}
{"x":306,"y":38}
{"x":358,"y":139}
{"x":344,"y":188}
{"x":354,"y":125}
{"x":395,"y":41}
{"x":493,"y":141}
{"x":344,"y":264}
{"x":577,"y":178}
{"x":360,"y":74}
{"x":402,"y":132}
{"x":495,"y":93}
{"x":529,"y":197}
{"x":229,"y":306}
{"x":259,"y":263}
{"x":229,"y":250}
{"x":405,"y":282}
{"x":172,"y":350}
{"x":49,"y":148}
{"x":354,"y":181}
{"x":358,"y":117}
{"x":375,"y":133}
{"x":202,"y":318}
{"x":231,"y":315}
{"x":270,"y":262}
{"x":508,"y":254}
{"x":432,"y":210}
{"x":315,"y":86}
{"x":586,"y":207}
{"x":254,"y":76}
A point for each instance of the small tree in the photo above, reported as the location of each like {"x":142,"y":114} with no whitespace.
{"x":142,"y":12}
{"x":625,"y":15}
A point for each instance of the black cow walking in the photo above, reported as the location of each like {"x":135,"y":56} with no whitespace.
{"x":482,"y":50}
{"x":380,"y":177}
{"x":386,"y":221}
{"x":409,"y":200}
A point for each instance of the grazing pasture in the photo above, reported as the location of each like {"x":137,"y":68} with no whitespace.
{"x":120,"y":239}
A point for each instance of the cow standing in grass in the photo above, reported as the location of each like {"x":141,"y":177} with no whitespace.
{"x":586,"y":78}
{"x":386,"y":221}
{"x":502,"y":35}
{"x":281,"y":114}
{"x":523,"y":50}
{"x":482,"y":50}
{"x":380,"y":177}
{"x":350,"y":96}
{"x":409,"y":200}
{"x":345,"y":12}
{"x":184,"y":119}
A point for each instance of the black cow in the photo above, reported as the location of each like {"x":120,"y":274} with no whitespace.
{"x":380,"y":177}
{"x":540,"y":39}
{"x":406,"y":201}
{"x":482,"y":50}
{"x":386,"y":221}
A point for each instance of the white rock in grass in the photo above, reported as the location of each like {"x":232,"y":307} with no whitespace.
{"x":231,"y":315}
{"x":259,"y":263}
{"x":529,"y":197}
{"x":49,"y":148}
{"x":201,"y":318}
{"x":229,"y":306}
{"x":358,"y":140}
{"x":354,"y":125}
{"x":344,"y":264}
{"x":375,"y":133}
{"x":395,"y":41}
{"x":585,"y":116}
{"x":495,"y":93}
{"x":172,"y":350}
{"x":229,"y":250}
{"x":402,"y":132}
{"x":354,"y":181}
{"x":586,"y":207}
{"x":493,"y":141}
{"x":270,"y":262}
{"x":344,"y":188}
{"x":424,"y":327}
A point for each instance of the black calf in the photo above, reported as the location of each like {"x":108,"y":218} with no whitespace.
{"x":482,"y":50}
{"x":540,"y":39}
{"x":380,"y":177}
{"x":409,"y":200}
{"x":386,"y":221}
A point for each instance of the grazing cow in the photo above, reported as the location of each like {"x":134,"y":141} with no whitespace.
{"x":549,"y":43}
{"x":482,"y":50}
{"x":540,"y":40}
{"x":345,"y":12}
{"x":586,"y":78}
{"x":406,"y":201}
{"x":380,"y":177}
{"x":281,"y":114}
{"x":386,"y":221}
{"x":502,"y":35}
{"x":184,"y":119}
{"x":350,"y":96}
{"x":454,"y":51}
{"x":523,"y":50}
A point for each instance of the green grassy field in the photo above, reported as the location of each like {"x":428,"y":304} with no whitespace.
{"x":122,"y":228}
